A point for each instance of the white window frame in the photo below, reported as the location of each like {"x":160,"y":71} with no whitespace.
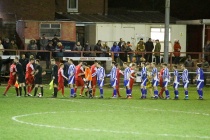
{"x":50,"y":27}
{"x":72,"y":9}
{"x":161,"y":31}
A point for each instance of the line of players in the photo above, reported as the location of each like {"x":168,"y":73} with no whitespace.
{"x":86,"y":76}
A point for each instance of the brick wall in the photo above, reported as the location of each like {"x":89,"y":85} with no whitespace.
{"x":29,"y":10}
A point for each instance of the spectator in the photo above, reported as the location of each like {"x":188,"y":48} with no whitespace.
{"x":86,"y":49}
{"x":78,"y":48}
{"x":32,"y":46}
{"x":140,"y":49}
{"x":157,"y":51}
{"x":1,"y":48}
{"x":121,"y":45}
{"x":129,"y":50}
{"x":124,"y":53}
{"x":60,"y":46}
{"x":107,"y":48}
{"x":43,"y":42}
{"x":115,"y":49}
{"x":49,"y":47}
{"x":205,"y":63}
{"x":6,"y":44}
{"x":207,"y":51}
{"x":13,"y":46}
{"x":3,"y":62}
{"x":176,"y":52}
{"x":149,"y":47}
{"x":55,"y":41}
{"x":189,"y":64}
{"x":97,"y":47}
{"x":24,"y":61}
{"x":104,"y":51}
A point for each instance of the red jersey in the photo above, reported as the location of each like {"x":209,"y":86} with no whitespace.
{"x":60,"y":76}
{"x":132,"y":74}
{"x":79,"y":70}
{"x":29,"y":70}
{"x":160,"y":76}
{"x":12,"y":70}
{"x":93,"y":71}
{"x":119,"y":73}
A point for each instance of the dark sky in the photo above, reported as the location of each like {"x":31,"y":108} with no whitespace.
{"x":182,"y":9}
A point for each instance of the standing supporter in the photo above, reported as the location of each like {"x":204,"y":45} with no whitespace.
{"x":149,"y":47}
{"x":29,"y":76}
{"x":12,"y":79}
{"x":54,"y":77}
{"x":157,"y":52}
{"x":32,"y":46}
{"x":71,"y":75}
{"x":13,"y":46}
{"x":97,"y":47}
{"x":200,"y":80}
{"x":79,"y":78}
{"x":177,"y":49}
{"x":38,"y":78}
{"x":43,"y":42}
{"x":20,"y":76}
{"x":1,"y":48}
{"x":78,"y":48}
{"x":61,"y":78}
{"x":94,"y":77}
{"x":140,"y":49}
{"x":55,"y":41}
{"x":115,"y":49}
{"x":100,"y":79}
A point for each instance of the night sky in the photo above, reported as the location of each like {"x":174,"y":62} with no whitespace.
{"x":181,"y":9}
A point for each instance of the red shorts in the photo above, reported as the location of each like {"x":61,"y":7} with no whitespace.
{"x":79,"y":82}
{"x":30,"y":80}
{"x":60,"y":85}
{"x":11,"y":81}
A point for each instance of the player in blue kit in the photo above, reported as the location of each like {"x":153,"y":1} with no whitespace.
{"x":166,"y":79}
{"x":200,"y":80}
{"x":185,"y":80}
{"x":144,"y":81}
{"x":127,"y":75}
{"x":100,"y":73}
{"x":176,"y":82}
{"x":71,"y":74}
{"x":155,"y":80}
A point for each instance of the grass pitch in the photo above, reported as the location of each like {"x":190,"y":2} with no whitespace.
{"x":102,"y":119}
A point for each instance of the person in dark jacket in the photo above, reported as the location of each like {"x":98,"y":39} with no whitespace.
{"x":3,"y":62}
{"x":97,"y":47}
{"x":149,"y":47}
{"x":24,"y":61}
{"x":87,"y":49}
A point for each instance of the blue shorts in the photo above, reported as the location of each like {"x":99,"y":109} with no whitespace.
{"x":176,"y":85}
{"x":71,"y":80}
{"x":144,"y":82}
{"x":154,"y":83}
{"x":185,"y":84}
{"x":126,"y":83}
{"x":200,"y":84}
{"x":113,"y":83}
{"x":165,"y":83}
{"x":100,"y":83}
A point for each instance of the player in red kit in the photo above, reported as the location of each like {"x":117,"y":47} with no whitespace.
{"x":119,"y":73}
{"x":79,"y":78}
{"x":94,"y":77}
{"x":133,"y":76}
{"x":29,"y":76}
{"x":61,"y":77}
{"x":161,"y":83}
{"x":12,"y":79}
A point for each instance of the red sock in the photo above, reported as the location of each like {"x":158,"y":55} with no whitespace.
{"x":75,"y":90}
{"x":161,"y":91}
{"x":94,"y":91}
{"x":29,"y":89}
{"x":62,"y":91}
{"x":8,"y":86}
{"x":81,"y":91}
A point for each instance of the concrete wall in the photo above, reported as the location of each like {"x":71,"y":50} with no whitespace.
{"x":30,"y":29}
{"x":111,"y":32}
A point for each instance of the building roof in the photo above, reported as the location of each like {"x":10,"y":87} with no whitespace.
{"x":128,"y":17}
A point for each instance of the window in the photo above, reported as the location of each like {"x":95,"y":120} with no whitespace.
{"x":50,"y":29}
{"x":72,"y":5}
{"x":158,"y":33}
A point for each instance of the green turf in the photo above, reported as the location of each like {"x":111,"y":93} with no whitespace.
{"x":103,"y":119}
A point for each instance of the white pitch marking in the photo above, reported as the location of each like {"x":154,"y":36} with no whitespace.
{"x":15,"y":118}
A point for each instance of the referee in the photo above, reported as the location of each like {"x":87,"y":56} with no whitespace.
{"x":54,"y":77}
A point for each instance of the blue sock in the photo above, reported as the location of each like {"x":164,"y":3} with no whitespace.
{"x":115,"y":92}
{"x":72,"y":91}
{"x":128,"y":92}
{"x":156,"y":93}
{"x":101,"y":91}
{"x":186,"y":93}
{"x":167,"y":93}
{"x":199,"y":92}
{"x":176,"y":93}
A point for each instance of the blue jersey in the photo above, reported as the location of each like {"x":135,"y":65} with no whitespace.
{"x":127,"y":73}
{"x":155,"y":74}
{"x":113,"y":74}
{"x":200,"y":74}
{"x":144,"y":73}
{"x":185,"y":76}
{"x":100,"y":73}
{"x":176,"y":76}
{"x":166,"y":75}
{"x":71,"y":70}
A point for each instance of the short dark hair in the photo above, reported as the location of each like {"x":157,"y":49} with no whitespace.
{"x":71,"y":60}
{"x":99,"y":62}
{"x":31,"y":59}
{"x":16,"y":58}
{"x":61,"y":64}
{"x":199,"y":65}
{"x":113,"y":62}
{"x":175,"y":66}
{"x":37,"y":60}
{"x":84,"y":63}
